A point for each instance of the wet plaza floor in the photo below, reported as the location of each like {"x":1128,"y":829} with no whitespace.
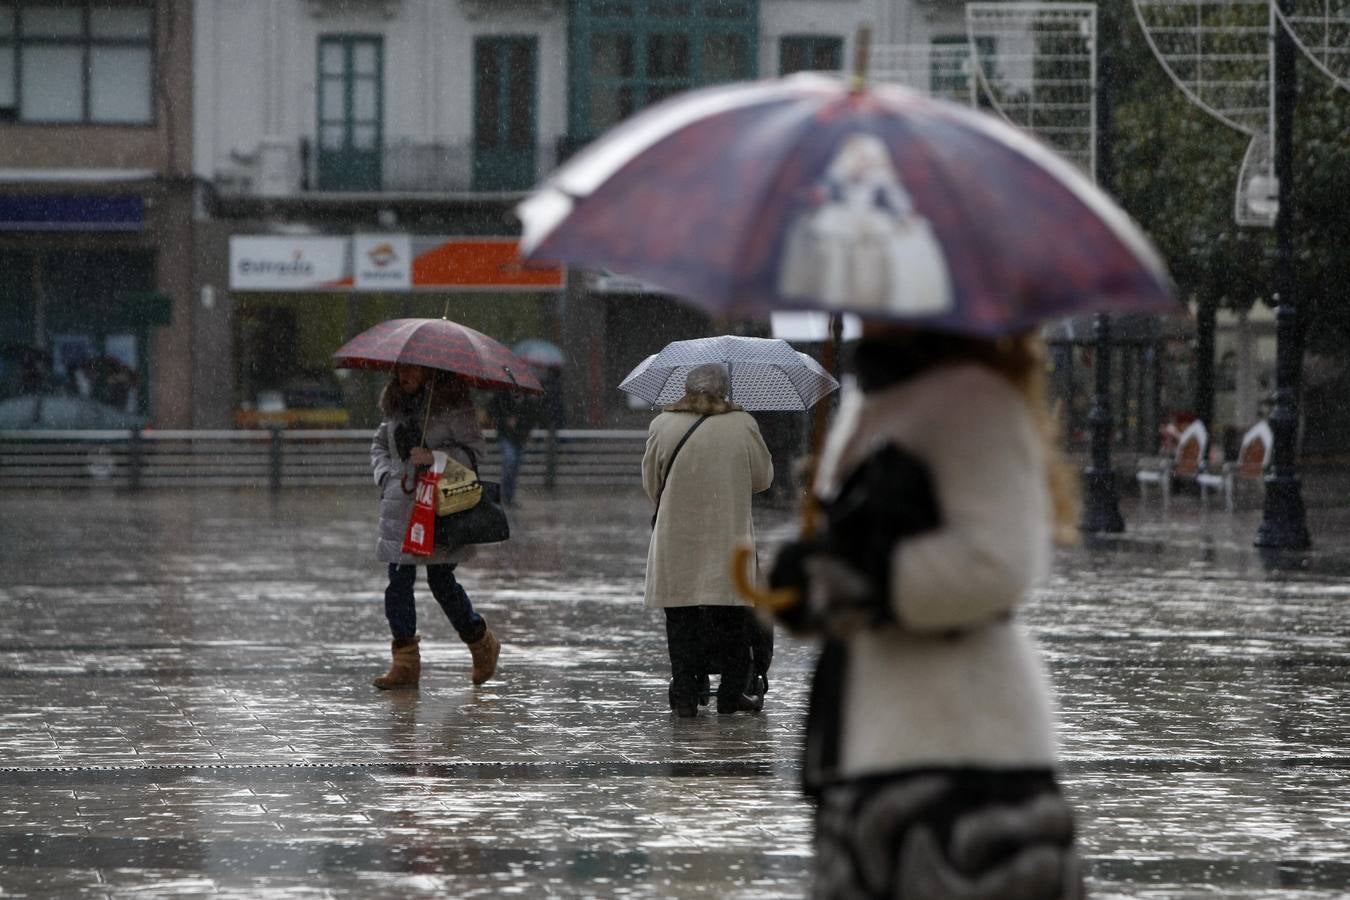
{"x":187,"y":711}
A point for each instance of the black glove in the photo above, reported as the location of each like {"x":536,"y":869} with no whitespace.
{"x":407,"y":435}
{"x":842,"y":578}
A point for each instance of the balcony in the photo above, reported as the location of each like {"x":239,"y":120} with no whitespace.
{"x":289,"y":168}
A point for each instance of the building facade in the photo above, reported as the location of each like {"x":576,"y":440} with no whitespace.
{"x":96,"y":203}
{"x":340,"y":136}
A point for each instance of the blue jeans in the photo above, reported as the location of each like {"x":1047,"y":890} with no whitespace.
{"x":401,"y":610}
{"x":510,"y":469}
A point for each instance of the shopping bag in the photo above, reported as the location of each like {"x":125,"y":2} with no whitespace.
{"x":420,"y":538}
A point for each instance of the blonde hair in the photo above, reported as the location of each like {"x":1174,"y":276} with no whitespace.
{"x":1021,"y":359}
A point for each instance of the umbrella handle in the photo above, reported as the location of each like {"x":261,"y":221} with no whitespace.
{"x":772,"y":600}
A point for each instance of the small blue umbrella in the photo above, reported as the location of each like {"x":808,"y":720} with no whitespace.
{"x":539,"y":352}
{"x":766,"y":374}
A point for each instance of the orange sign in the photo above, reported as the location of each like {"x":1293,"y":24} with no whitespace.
{"x":474,"y":264}
{"x":468,"y":263}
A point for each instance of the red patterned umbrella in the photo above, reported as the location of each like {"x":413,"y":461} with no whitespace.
{"x":439,"y":344}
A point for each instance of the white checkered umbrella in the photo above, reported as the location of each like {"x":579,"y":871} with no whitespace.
{"x":766,"y":374}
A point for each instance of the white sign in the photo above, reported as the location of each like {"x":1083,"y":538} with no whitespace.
{"x":286,"y":264}
{"x":383,"y":262}
{"x":603,"y":282}
{"x":810,"y":327}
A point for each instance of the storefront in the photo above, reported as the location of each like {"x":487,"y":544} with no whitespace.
{"x":296,"y":300}
{"x":81,"y":290}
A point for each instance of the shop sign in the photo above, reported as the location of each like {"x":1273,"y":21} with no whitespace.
{"x":383,"y":262}
{"x":287,"y":264}
{"x":386,"y":262}
{"x":480,"y":264}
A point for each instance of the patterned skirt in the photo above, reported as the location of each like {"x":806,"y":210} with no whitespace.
{"x":946,"y":834}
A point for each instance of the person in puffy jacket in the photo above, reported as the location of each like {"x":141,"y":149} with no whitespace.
{"x":424,"y":410}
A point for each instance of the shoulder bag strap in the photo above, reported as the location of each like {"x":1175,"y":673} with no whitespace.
{"x":662,"y":489}
{"x":473,"y":457}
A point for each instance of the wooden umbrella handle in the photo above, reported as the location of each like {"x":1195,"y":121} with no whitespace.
{"x":772,"y":600}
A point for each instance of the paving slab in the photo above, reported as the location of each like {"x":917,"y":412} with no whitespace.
{"x":187,"y":710}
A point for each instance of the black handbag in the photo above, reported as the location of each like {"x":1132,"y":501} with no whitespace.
{"x":483,"y":523}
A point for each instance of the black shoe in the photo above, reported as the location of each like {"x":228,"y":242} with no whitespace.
{"x":739,"y":703}
{"x":759,"y":684}
{"x":683,"y":696}
{"x":704,"y":690}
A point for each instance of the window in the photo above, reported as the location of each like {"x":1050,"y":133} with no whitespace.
{"x":810,"y":53}
{"x":628,"y":54}
{"x":351,"y":112}
{"x":76,"y":63}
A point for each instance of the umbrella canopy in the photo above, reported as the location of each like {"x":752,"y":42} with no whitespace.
{"x":804,"y":193}
{"x":60,"y":412}
{"x":438,"y":344}
{"x":538,"y":352}
{"x":766,"y":374}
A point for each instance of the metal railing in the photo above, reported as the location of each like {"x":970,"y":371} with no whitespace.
{"x":284,"y":167}
{"x":279,"y":458}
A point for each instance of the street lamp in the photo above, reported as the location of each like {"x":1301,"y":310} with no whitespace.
{"x":1284,"y":520}
{"x":1101,"y":506}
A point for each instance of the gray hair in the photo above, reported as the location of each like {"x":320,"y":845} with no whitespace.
{"x":711,"y":379}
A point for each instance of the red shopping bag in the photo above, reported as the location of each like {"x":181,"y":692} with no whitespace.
{"x":420,"y":538}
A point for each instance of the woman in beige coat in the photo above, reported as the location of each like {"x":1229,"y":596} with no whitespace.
{"x":703,"y":511}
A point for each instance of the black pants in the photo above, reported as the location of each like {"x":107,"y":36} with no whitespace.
{"x":705,"y":639}
{"x":401,"y":610}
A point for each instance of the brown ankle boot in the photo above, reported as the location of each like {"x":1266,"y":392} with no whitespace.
{"x":406,"y":668}
{"x":484,"y":651}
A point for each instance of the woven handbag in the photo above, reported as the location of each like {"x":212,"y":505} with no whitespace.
{"x":459,"y":489}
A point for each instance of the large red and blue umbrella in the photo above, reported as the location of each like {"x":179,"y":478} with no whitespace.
{"x":810,"y":193}
{"x":439,"y":344}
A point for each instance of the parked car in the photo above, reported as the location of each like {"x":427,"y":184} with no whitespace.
{"x":57,"y":412}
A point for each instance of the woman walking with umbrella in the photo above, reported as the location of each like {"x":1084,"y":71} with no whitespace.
{"x":426,"y":406}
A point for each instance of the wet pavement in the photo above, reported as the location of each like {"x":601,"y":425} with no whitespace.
{"x":187,"y":711}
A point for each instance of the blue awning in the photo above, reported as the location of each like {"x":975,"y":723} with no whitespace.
{"x":72,"y":212}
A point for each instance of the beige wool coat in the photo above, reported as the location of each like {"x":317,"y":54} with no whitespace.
{"x":705,"y":509}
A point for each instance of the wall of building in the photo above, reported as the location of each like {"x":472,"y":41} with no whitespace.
{"x":257,"y":70}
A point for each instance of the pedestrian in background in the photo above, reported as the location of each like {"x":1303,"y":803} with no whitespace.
{"x":705,"y":457}
{"x":514,"y":416}
{"x":930,"y":739}
{"x":424,"y":410}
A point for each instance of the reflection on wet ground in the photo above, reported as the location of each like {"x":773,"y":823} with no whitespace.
{"x":187,"y":711}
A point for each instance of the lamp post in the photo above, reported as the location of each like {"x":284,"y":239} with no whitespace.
{"x":1101,"y":506}
{"x":1284,"y":520}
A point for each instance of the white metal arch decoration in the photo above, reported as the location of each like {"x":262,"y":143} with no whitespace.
{"x":1218,"y":53}
{"x":1035,"y":64}
{"x":1321,"y":29}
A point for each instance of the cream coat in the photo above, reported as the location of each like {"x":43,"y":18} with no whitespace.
{"x":916,"y":695}
{"x":705,"y":508}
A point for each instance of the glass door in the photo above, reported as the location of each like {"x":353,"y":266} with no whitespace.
{"x":504,"y":132}
{"x":351,"y":113}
